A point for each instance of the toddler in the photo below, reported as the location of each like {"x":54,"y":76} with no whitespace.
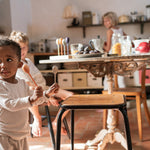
{"x":22,"y":39}
{"x":16,"y":98}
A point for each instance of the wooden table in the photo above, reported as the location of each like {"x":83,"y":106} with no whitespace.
{"x":99,"y":67}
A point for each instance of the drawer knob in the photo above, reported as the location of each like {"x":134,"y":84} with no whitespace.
{"x":65,"y":80}
{"x":147,"y":77}
{"x":79,"y":79}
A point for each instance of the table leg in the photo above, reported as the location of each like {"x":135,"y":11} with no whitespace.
{"x":112,"y":134}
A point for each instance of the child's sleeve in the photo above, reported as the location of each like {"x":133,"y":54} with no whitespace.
{"x":13,"y":104}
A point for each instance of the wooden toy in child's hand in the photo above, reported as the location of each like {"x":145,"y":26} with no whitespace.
{"x":55,"y":70}
{"x":26,"y":69}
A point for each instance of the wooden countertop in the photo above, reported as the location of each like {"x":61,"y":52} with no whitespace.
{"x":144,"y":56}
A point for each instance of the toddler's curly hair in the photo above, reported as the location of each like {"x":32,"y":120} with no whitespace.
{"x":18,"y":37}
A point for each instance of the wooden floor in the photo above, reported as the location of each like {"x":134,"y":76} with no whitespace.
{"x":88,"y":123}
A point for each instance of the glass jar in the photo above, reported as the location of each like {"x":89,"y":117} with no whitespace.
{"x":148,"y":12}
{"x":116,"y":44}
{"x":126,"y":46}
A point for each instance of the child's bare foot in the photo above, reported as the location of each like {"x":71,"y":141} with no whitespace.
{"x":63,"y":130}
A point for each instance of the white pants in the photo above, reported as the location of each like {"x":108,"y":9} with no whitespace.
{"x":7,"y":143}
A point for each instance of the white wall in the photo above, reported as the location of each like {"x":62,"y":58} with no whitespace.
{"x":43,"y":18}
{"x":5,"y":17}
{"x":21,"y":17}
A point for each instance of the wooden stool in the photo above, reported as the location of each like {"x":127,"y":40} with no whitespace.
{"x":92,"y":101}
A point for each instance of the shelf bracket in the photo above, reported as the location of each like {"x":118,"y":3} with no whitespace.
{"x":84,"y":28}
{"x":142,"y":27}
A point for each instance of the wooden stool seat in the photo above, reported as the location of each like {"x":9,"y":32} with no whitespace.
{"x":92,"y":101}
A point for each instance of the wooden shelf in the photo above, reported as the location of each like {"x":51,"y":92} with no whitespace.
{"x":65,"y":70}
{"x":35,"y":57}
{"x":82,"y":88}
{"x":98,"y":25}
{"x":43,"y":54}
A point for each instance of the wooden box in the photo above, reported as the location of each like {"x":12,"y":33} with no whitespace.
{"x":79,"y":79}
{"x":86,"y":18}
{"x":94,"y":81}
{"x":65,"y":80}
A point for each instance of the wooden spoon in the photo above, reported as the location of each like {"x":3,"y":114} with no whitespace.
{"x":55,"y":70}
{"x":26,"y":69}
{"x":64,"y":44}
{"x":67,"y":42}
{"x":60,"y":42}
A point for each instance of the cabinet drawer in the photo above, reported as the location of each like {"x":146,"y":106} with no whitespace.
{"x":147,"y":76}
{"x":133,"y":80}
{"x":65,"y":80}
{"x":93,"y":81}
{"x":79,"y":79}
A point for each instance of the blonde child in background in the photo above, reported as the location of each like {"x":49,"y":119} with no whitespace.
{"x":110,"y":21}
{"x":16,"y":98}
{"x":22,"y":39}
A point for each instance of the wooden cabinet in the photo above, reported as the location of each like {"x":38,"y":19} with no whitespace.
{"x":75,"y":79}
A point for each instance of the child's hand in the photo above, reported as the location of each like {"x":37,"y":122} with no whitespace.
{"x":55,"y":100}
{"x":38,"y":92}
{"x":52,"y":90}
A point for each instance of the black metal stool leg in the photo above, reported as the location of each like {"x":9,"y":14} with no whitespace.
{"x":72,"y":129}
{"x":66,"y":127}
{"x":58,"y":135}
{"x":30,"y":122}
{"x":127,"y":127}
{"x":50,"y":127}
